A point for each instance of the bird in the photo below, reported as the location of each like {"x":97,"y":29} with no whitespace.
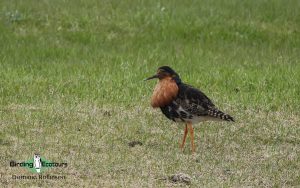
{"x":183,"y":103}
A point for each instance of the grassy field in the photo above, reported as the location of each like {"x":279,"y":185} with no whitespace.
{"x":71,"y":89}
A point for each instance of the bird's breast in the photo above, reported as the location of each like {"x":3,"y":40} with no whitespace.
{"x":164,"y":93}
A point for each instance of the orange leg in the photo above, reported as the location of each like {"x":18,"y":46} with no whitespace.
{"x":184,"y":137}
{"x":190,"y":126}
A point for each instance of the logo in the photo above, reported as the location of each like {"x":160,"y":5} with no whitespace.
{"x":38,"y":164}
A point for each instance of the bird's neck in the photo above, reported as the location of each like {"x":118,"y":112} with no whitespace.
{"x":164,"y":92}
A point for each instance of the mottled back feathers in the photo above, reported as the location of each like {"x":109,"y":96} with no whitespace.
{"x":182,"y":102}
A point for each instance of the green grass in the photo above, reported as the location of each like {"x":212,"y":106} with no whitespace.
{"x":71,"y":89}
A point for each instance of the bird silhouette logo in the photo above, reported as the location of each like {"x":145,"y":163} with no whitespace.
{"x":37,"y":162}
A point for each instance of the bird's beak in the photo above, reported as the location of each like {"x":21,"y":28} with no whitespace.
{"x":152,"y":77}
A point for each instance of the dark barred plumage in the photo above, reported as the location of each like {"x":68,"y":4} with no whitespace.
{"x":192,"y":105}
{"x":219,"y":114}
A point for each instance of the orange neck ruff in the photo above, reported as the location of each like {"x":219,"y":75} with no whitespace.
{"x":164,"y":92}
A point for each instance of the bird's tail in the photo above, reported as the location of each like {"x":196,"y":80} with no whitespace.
{"x":220,"y":115}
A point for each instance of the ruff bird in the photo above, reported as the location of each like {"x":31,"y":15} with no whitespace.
{"x":181,"y":102}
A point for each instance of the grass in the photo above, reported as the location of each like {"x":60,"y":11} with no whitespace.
{"x":71,"y":89}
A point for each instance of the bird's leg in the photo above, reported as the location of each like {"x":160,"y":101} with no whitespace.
{"x":190,"y":126}
{"x":184,"y":137}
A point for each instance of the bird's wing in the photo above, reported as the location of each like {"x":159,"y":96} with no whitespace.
{"x":194,"y":101}
{"x":197,"y":103}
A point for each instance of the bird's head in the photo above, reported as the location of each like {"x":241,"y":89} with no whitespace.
{"x":36,"y":155}
{"x":165,"y":72}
